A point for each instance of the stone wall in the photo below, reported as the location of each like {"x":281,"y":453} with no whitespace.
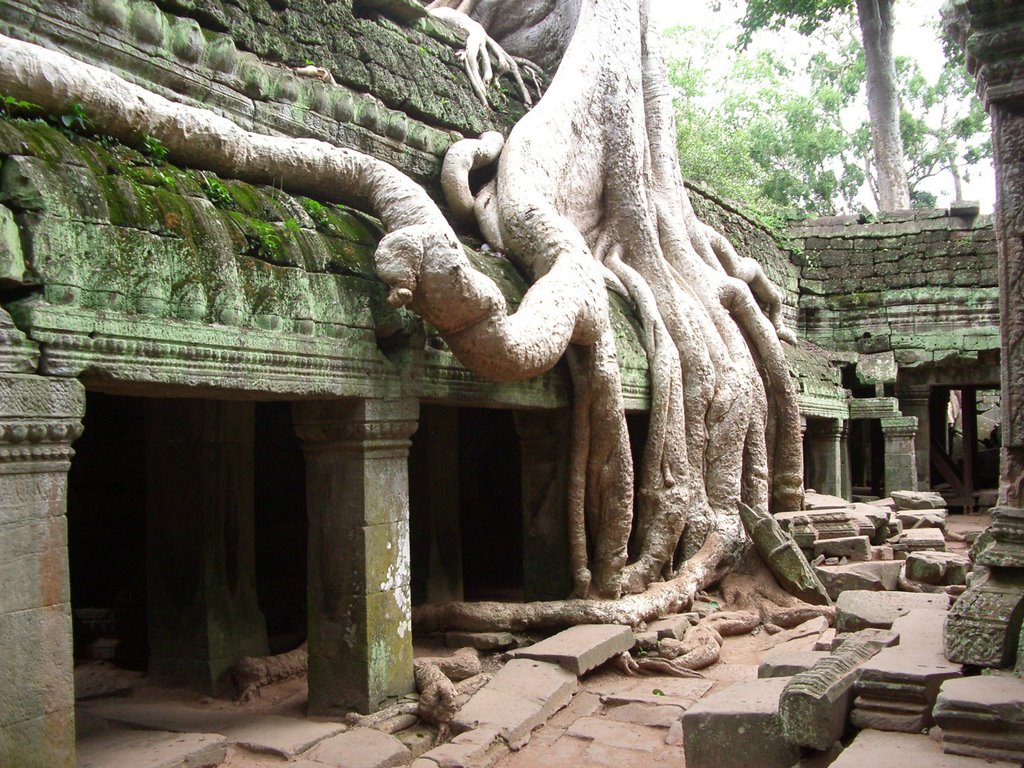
{"x":400,"y":92}
{"x":921,"y":284}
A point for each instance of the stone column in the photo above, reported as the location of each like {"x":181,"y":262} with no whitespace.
{"x":200,"y":559}
{"x":914,"y":401}
{"x":544,"y":438}
{"x":824,"y":440}
{"x":39,"y":419}
{"x":900,"y":461}
{"x":984,"y":625}
{"x":357,"y":497}
{"x":845,"y":477}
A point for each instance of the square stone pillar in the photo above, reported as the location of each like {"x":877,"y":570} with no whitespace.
{"x":200,"y":559}
{"x":900,"y":457}
{"x":544,"y":438}
{"x":824,"y":442}
{"x":915,"y":401}
{"x":357,"y":497}
{"x":39,"y":419}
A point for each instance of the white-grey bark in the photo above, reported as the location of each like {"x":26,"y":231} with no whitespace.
{"x":876,"y":26}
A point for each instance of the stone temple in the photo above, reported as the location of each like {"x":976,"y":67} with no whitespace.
{"x":218,"y":439}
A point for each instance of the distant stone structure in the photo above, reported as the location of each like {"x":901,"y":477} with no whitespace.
{"x":225,"y":363}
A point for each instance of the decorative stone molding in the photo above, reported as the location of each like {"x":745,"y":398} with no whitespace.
{"x":39,"y":419}
{"x":902,"y":426}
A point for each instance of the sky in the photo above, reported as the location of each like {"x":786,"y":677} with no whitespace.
{"x":913,"y":37}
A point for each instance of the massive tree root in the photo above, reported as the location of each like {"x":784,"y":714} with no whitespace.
{"x":590,"y":176}
{"x":587,"y":189}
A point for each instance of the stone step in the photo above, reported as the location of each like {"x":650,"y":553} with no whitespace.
{"x":896,"y":690}
{"x":878,"y":749}
{"x":580,"y":649}
{"x":737,"y":727}
{"x":519,"y":698}
{"x":983,"y":717}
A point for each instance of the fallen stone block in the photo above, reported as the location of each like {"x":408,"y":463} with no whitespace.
{"x":923,"y":518}
{"x":361,"y":748}
{"x":283,"y":736}
{"x":858,"y":609}
{"x":874,"y":576}
{"x":876,"y":638}
{"x":917,"y":500}
{"x":876,"y":749}
{"x":922,"y":630}
{"x":810,"y":628}
{"x":788,"y":664}
{"x":983,"y":717}
{"x":520,"y":697}
{"x":917,"y":540}
{"x":815,"y":704}
{"x":938,"y":568}
{"x":826,"y":640}
{"x":737,"y":726}
{"x":466,"y":749}
{"x":581,"y":648}
{"x":896,"y":690}
{"x":851,"y":547}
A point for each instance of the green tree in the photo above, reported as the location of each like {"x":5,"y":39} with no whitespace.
{"x":876,"y":25}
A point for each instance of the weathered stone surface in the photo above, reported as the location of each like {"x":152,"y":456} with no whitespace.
{"x":646,"y":714}
{"x":150,"y":749}
{"x":982,"y":625}
{"x":581,"y":648}
{"x":852,"y":547}
{"x":725,"y":729}
{"x":917,"y":540}
{"x":925,"y":518}
{"x":284,"y":736}
{"x":917,"y":500}
{"x":859,"y":610}
{"x":896,"y":689}
{"x":621,"y":735}
{"x":876,"y":575}
{"x":875,"y":638}
{"x":12,"y":263}
{"x":520,"y":697}
{"x":1001,"y":545}
{"x":783,"y":556}
{"x":812,"y":628}
{"x":361,"y":748}
{"x":940,"y":568}
{"x":982,"y":716}
{"x":873,"y":748}
{"x":816,"y":703}
{"x":682,"y":693}
{"x":789,"y":664}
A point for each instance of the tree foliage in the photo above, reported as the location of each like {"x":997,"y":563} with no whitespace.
{"x":780,"y":131}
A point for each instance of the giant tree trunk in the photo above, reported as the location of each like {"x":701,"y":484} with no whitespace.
{"x":876,"y":26}
{"x":587,"y":189}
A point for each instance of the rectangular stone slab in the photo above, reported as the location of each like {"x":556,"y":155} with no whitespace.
{"x":519,"y":698}
{"x":738,"y":727}
{"x":859,"y":609}
{"x":875,"y":749}
{"x":582,"y":648}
